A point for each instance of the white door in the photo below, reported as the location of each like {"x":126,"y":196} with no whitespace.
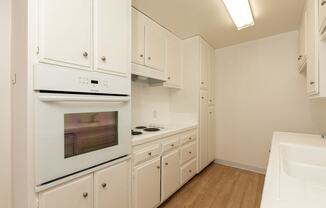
{"x":112,"y":33}
{"x":204,"y":64}
{"x":65,"y":32}
{"x":170,"y":174}
{"x":111,"y":186}
{"x":211,"y":134}
{"x":203,"y":131}
{"x":147,"y":178}
{"x":154,"y":46}
{"x":211,"y":78}
{"x":78,"y":193}
{"x":173,"y":61}
{"x":138,"y":37}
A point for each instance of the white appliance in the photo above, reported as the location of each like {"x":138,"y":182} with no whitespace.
{"x":81,"y":121}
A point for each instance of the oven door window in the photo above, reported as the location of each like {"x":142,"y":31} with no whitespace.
{"x":87,"y":132}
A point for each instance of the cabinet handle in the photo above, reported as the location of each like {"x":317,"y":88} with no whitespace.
{"x":166,"y":163}
{"x":149,"y":58}
{"x":141,"y":55}
{"x":85,"y":54}
{"x":312,"y":83}
{"x":85,"y":195}
{"x":158,"y":167}
{"x":103,"y":58}
{"x":323,"y":3}
{"x":104,"y":185}
{"x":149,"y":153}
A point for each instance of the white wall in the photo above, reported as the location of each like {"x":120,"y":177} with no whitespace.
{"x":150,"y":105}
{"x":258,"y":91}
{"x":5,"y":132}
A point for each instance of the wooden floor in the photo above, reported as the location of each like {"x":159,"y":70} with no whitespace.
{"x":220,"y":187}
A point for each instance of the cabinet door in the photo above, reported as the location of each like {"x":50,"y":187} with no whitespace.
{"x":302,"y":56}
{"x":65,"y":32}
{"x":211,"y":78}
{"x":312,"y":47}
{"x":204,"y":64}
{"x":154,"y":46}
{"x":147,"y":187}
{"x":78,"y":193}
{"x":112,"y":36}
{"x":203,"y":130}
{"x":138,"y":37}
{"x":211,"y":134}
{"x":170,"y":174}
{"x":111,"y":186}
{"x":322,"y":14}
{"x":173,"y":61}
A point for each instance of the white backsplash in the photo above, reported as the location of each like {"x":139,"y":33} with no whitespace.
{"x":150,"y":105}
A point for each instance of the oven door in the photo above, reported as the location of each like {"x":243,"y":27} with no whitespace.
{"x":77,"y":132}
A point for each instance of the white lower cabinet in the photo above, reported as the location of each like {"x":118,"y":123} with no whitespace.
{"x":106,"y":188}
{"x":78,"y":193}
{"x":147,"y":184}
{"x":111,"y":187}
{"x":156,"y":178}
{"x":170,"y":174}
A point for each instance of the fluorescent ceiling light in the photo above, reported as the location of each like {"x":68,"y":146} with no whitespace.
{"x":240,"y":12}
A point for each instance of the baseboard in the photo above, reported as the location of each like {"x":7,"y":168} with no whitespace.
{"x":241,"y":166}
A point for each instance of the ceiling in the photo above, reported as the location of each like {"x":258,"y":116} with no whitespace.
{"x":210,"y":19}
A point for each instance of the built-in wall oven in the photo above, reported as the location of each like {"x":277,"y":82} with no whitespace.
{"x":77,"y":128}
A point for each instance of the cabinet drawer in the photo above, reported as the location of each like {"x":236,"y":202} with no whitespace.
{"x":146,"y":154}
{"x":188,"y":138}
{"x":171,"y":144}
{"x":188,"y":152}
{"x":188,"y":171}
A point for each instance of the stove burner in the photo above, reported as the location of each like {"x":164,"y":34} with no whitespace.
{"x":136,"y":132}
{"x":141,"y":127}
{"x":152,"y":129}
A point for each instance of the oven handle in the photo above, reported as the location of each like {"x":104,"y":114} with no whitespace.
{"x":64,"y":98}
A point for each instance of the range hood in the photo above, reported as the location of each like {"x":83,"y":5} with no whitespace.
{"x":153,"y":75}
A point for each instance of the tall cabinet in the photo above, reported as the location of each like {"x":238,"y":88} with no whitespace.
{"x":197,"y":96}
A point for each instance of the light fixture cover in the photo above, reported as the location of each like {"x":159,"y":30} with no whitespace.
{"x":240,"y":12}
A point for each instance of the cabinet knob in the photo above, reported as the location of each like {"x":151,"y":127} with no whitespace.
{"x":141,"y":55}
{"x":202,"y":97}
{"x":190,"y":152}
{"x":210,"y":112}
{"x":202,"y":82}
{"x":299,"y":58}
{"x":158,"y":167}
{"x":166,"y":163}
{"x":190,"y":171}
{"x":189,"y":138}
{"x":104,"y":185}
{"x":149,"y":153}
{"x":169,"y":77}
{"x":323,"y":3}
{"x":85,"y":195}
{"x":172,"y":145}
{"x":103,"y":58}
{"x":149,"y":58}
{"x":85,"y":54}
{"x":312,"y":83}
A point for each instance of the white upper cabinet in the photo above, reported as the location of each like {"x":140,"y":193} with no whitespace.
{"x":211,"y":78}
{"x":312,"y":49}
{"x":322,"y":15}
{"x":112,"y":30}
{"x":78,"y":193}
{"x":154,"y":46}
{"x":204,"y":64}
{"x":173,"y":61}
{"x":148,"y":42}
{"x":65,"y":32}
{"x":138,"y":37}
{"x":302,"y":56}
{"x":111,"y":187}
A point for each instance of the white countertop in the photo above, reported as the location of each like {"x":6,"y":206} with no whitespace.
{"x":295,"y":175}
{"x":169,"y":130}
